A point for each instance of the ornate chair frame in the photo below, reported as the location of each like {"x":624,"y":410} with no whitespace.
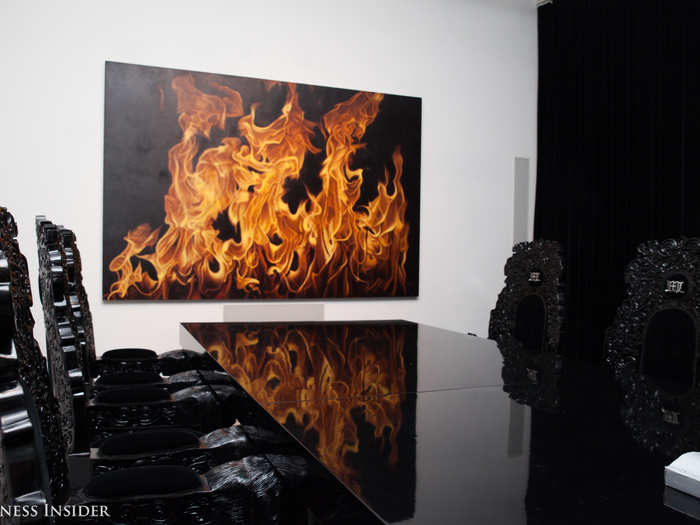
{"x":32,"y":371}
{"x":60,"y":341}
{"x":168,"y":363}
{"x":535,"y":268}
{"x":195,"y":398}
{"x":659,"y":419}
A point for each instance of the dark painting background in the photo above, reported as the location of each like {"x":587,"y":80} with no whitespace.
{"x":141,"y":126}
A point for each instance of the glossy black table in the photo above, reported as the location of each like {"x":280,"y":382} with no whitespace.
{"x":419,"y":425}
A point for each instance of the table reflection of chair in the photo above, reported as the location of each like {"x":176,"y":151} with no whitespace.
{"x":529,"y":311}
{"x":533,"y":380}
{"x":652,"y":345}
{"x":585,"y":467}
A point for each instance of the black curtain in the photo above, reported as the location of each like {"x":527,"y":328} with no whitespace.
{"x":618,"y":144}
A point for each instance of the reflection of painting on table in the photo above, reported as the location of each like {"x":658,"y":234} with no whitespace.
{"x":342,"y":388}
{"x":222,"y":187}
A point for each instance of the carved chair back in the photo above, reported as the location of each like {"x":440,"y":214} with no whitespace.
{"x":8,"y":360}
{"x":652,"y":344}
{"x":80,"y":307}
{"x":167,"y":363}
{"x":32,"y":372}
{"x":529,"y":311}
{"x":60,"y":339}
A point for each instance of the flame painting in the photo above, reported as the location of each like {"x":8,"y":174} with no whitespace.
{"x":220,"y":187}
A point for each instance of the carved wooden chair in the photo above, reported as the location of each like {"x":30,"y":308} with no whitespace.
{"x":203,"y":400}
{"x":652,"y":345}
{"x":6,"y":351}
{"x":163,"y":446}
{"x":69,"y":316}
{"x":64,"y":370}
{"x":529,"y":312}
{"x":61,"y":243}
{"x":36,"y":413}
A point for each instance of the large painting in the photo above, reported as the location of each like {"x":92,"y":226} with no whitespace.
{"x":224,"y":187}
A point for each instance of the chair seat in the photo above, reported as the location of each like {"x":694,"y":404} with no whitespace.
{"x":175,"y":361}
{"x":128,"y":378}
{"x":143,"y":481}
{"x":130,"y":354}
{"x":135,"y":394}
{"x":148,"y":441}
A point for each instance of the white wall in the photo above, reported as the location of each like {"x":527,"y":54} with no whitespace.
{"x":473,"y":62}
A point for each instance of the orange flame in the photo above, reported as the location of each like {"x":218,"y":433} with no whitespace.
{"x":320,"y":381}
{"x":328,"y":246}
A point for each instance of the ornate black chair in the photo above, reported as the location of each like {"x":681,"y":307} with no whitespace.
{"x":64,"y":370}
{"x":203,"y":400}
{"x":62,"y":305}
{"x":256,"y":489}
{"x":652,"y":345}
{"x":202,"y":408}
{"x":15,"y":422}
{"x":60,"y":244}
{"x":529,"y":312}
{"x":30,"y":401}
{"x":201,"y":453}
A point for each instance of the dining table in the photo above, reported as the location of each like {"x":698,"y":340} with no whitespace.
{"x":424,"y":425}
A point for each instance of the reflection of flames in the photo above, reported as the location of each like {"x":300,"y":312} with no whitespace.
{"x":329,"y":376}
{"x":329,"y":246}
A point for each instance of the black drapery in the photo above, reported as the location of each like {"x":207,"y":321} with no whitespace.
{"x":618,"y":144}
